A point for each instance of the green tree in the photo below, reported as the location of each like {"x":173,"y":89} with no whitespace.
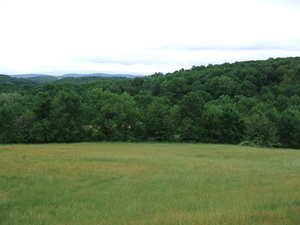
{"x":158,"y":120}
{"x":65,"y":115}
{"x":42,"y":105}
{"x":174,"y":88}
{"x":114,"y":117}
{"x":190,"y":111}
{"x":211,"y":131}
{"x":9,"y":115}
{"x":222,"y":85}
{"x":11,"y":109}
{"x":232,"y":125}
{"x":260,"y":130}
{"x":289,"y":128}
{"x":247,"y":88}
{"x":143,"y":98}
{"x":42,"y":131}
{"x":24,"y":124}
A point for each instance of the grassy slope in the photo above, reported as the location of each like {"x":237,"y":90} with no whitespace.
{"x":124,"y":183}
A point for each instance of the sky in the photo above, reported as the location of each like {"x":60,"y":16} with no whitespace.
{"x":142,"y":37}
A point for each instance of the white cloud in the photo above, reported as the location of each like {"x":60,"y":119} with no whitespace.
{"x":142,"y":36}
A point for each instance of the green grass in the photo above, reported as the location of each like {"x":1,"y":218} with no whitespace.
{"x":127,"y":183}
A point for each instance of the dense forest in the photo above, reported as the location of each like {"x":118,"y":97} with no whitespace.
{"x":253,"y":103}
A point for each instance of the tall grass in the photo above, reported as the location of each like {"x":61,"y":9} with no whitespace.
{"x":125,"y":183}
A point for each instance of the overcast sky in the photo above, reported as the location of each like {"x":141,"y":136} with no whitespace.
{"x":142,"y":36}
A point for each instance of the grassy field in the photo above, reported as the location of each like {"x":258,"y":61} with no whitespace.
{"x":127,"y":183}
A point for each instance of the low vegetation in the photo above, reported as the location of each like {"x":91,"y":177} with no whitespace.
{"x":140,"y":183}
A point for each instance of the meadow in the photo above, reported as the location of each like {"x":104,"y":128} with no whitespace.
{"x":148,"y":183}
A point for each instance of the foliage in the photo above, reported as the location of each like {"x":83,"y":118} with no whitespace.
{"x":260,"y":130}
{"x":289,"y":128}
{"x":253,"y":102}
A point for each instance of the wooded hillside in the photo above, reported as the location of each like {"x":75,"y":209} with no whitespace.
{"x":254,"y":102}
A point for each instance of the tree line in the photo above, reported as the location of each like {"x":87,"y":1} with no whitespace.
{"x":253,"y":103}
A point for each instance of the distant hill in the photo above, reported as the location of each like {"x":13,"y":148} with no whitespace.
{"x":33,"y":78}
{"x":5,"y":79}
{"x":84,"y":79}
{"x":99,"y":75}
{"x":28,"y":75}
{"x":32,"y":75}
